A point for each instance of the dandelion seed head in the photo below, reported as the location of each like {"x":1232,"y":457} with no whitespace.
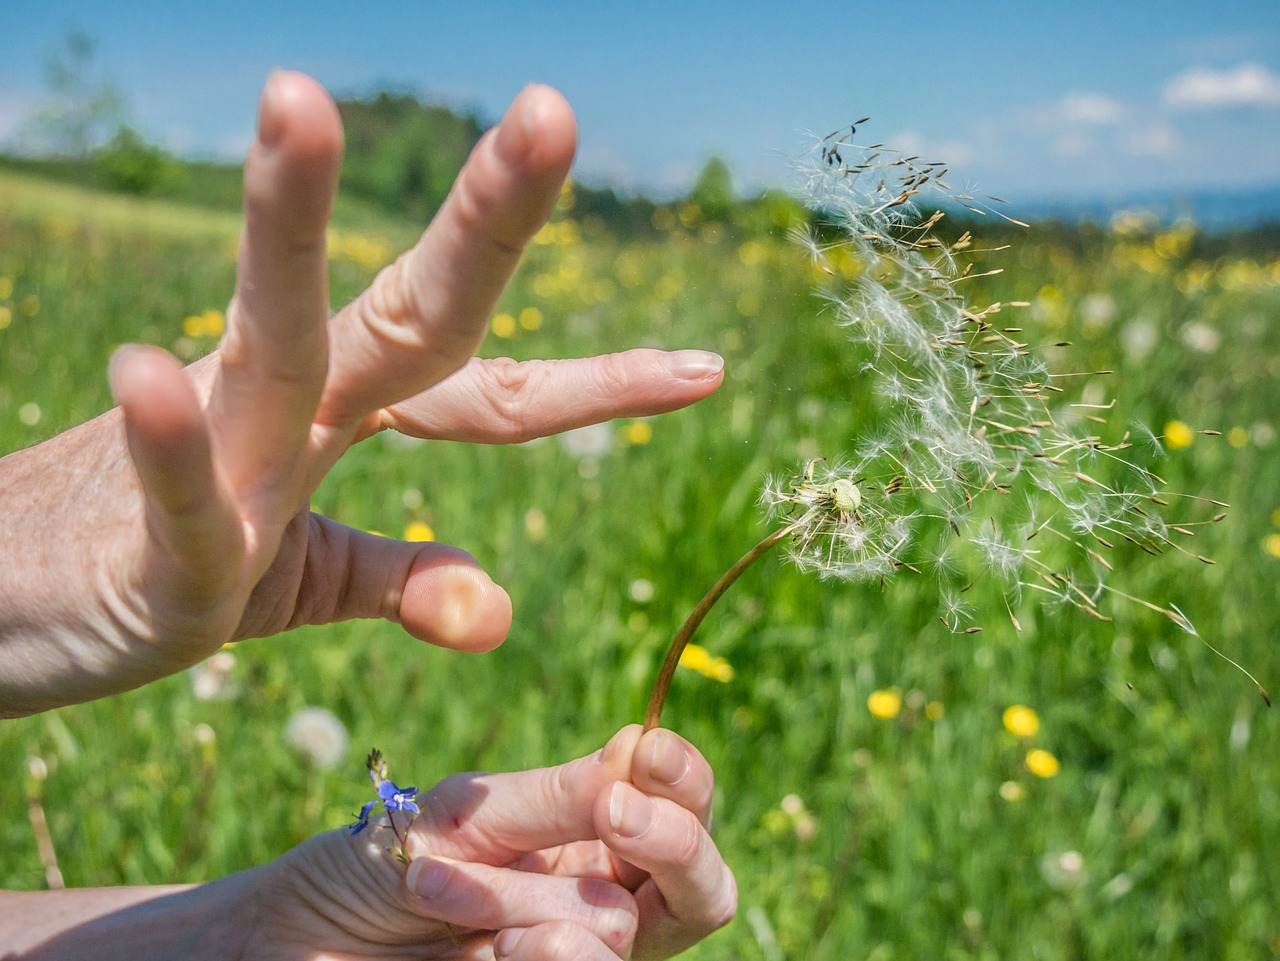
{"x":968,"y":408}
{"x":318,"y":735}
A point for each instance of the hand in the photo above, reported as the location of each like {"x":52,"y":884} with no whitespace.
{"x":605,"y":857}
{"x":137,"y":544}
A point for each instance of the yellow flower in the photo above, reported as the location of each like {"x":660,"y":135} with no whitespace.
{"x":360,"y":249}
{"x":210,"y":323}
{"x":503,"y":325}
{"x":639,"y":432}
{"x":6,"y":288}
{"x":702,"y":661}
{"x":934,"y":710}
{"x":1271,"y":544}
{"x":1021,"y":721}
{"x":565,"y":200}
{"x":751,"y":253}
{"x":1177,"y":435}
{"x":6,"y":317}
{"x":531,"y":318}
{"x":419,"y":531}
{"x":1041,"y":763}
{"x":1238,"y":437}
{"x":885,"y":704}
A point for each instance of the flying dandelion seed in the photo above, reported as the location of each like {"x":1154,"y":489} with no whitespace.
{"x":972,"y":411}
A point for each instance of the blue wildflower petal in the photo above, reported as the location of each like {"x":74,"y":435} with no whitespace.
{"x":362,"y":819}
{"x":396,"y":798}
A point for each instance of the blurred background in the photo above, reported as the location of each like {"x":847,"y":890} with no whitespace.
{"x":1065,"y":788}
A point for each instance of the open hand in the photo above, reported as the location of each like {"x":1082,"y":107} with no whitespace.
{"x":138,"y":543}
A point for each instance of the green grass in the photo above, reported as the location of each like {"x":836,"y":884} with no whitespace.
{"x":1169,"y":788}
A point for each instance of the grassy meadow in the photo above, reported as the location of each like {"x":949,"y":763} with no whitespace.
{"x":871,"y":798}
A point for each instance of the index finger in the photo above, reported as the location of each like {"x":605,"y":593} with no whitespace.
{"x":496,"y":818}
{"x":426,"y":313}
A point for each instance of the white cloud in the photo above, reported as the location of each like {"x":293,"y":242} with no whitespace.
{"x":233,"y":146}
{"x":1092,"y":110}
{"x":1248,"y":85}
{"x":179,"y":139}
{"x":15,"y":112}
{"x":1155,"y":140}
{"x":1073,"y":145}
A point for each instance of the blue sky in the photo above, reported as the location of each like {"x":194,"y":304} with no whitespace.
{"x":1020,"y":98}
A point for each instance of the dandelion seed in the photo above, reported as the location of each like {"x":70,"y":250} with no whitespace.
{"x":1012,"y":791}
{"x":318,"y":735}
{"x":965,"y":410}
{"x":30,"y":414}
{"x":641,"y":590}
{"x":588,"y":443}
{"x":211,"y":679}
{"x":1063,"y":870}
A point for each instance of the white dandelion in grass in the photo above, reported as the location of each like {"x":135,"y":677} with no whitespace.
{"x":985,"y":462}
{"x":318,"y":735}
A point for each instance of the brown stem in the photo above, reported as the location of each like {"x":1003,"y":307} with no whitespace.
{"x":653,"y":713}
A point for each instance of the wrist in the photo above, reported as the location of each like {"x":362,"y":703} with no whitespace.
{"x":139,"y":924}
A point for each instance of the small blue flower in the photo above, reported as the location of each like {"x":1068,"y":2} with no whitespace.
{"x":362,"y":819}
{"x":396,"y":798}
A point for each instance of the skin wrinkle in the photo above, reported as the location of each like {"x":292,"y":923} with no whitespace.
{"x":325,"y":595}
{"x":508,"y":390}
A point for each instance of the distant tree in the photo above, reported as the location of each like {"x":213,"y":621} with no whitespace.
{"x":131,"y":163}
{"x":404,"y":154}
{"x":713,"y":190}
{"x":84,"y":109}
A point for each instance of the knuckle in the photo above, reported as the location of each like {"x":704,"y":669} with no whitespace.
{"x":390,"y":305}
{"x":472,"y":212}
{"x":611,"y":377}
{"x":509,"y":390}
{"x":691,"y":844}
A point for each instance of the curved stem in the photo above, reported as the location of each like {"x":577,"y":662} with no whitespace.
{"x":653,"y":713}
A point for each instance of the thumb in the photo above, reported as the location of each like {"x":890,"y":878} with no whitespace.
{"x":497,"y":818}
{"x":438,"y":593}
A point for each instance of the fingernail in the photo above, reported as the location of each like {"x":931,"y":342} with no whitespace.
{"x":694,"y":364}
{"x":517,"y":127}
{"x":504,"y":945}
{"x":113,"y":367}
{"x":607,"y":754}
{"x":269,"y":124}
{"x":427,"y":877}
{"x":668,"y":761}
{"x":630,"y":812}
